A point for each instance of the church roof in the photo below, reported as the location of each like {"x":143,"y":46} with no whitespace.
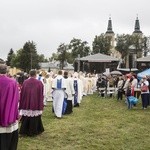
{"x":109,"y":28}
{"x":137,"y":26}
{"x":47,"y":65}
{"x":55,"y":65}
{"x":98,"y":58}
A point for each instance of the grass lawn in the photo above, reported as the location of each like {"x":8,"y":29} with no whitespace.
{"x":98,"y":124}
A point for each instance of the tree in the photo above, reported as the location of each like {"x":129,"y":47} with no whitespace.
{"x":62,"y":51}
{"x":54,"y":57}
{"x":76,"y":46}
{"x":138,"y":42}
{"x":126,"y":42}
{"x":16,"y":60}
{"x":10,"y":57}
{"x":146,"y":45}
{"x":27,"y":57}
{"x":123,"y":42}
{"x":41,"y":58}
{"x":101,"y":44}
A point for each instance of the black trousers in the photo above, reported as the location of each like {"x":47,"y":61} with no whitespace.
{"x":119,"y":95}
{"x":69,"y":107}
{"x":9,"y":141}
{"x":145,"y":99}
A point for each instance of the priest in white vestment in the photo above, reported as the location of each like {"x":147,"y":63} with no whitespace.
{"x":58,"y":86}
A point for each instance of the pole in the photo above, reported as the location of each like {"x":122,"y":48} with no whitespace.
{"x":78,"y":62}
{"x":31,"y":60}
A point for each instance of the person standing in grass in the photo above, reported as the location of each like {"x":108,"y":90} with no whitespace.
{"x":9,"y":97}
{"x":31,"y":106}
{"x":134,"y":84}
{"x":78,"y":87}
{"x":70,"y":92}
{"x":58,"y":94}
{"x":144,"y":93}
{"x":120,"y":88}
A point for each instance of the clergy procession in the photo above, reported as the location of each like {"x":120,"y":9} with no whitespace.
{"x":23,"y":97}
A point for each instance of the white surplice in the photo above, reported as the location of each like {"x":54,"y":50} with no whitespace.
{"x":58,"y":95}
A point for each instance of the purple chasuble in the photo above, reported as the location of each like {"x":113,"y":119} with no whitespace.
{"x":9,"y":97}
{"x":31,"y":97}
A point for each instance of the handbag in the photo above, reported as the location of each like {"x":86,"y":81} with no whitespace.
{"x":144,"y":88}
{"x":132,"y":99}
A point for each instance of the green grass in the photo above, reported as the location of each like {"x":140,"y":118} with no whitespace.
{"x":98,"y":124}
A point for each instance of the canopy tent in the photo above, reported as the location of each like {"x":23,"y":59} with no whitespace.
{"x":99,"y":58}
{"x":96,"y":63}
{"x":143,"y":73}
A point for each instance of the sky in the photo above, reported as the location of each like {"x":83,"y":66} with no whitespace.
{"x":48,"y":23}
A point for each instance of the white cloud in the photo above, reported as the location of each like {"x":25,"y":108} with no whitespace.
{"x":51,"y":22}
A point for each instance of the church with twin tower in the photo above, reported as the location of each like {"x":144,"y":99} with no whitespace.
{"x":132,"y":56}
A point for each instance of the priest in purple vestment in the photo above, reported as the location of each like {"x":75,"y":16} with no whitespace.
{"x":31,"y":106}
{"x":9,"y":97}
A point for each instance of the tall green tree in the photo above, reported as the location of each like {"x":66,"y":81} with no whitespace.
{"x":77,"y":46}
{"x":62,"y":54}
{"x":101,"y":44}
{"x":138,"y":42}
{"x":41,"y":58}
{"x":123,"y":42}
{"x":15,"y":62}
{"x":126,"y":42}
{"x":54,"y":57}
{"x":10,"y":57}
{"x":27,"y":57}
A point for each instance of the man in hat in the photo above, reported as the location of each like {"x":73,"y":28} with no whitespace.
{"x":9,"y":96}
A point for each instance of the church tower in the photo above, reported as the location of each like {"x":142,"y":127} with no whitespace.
{"x":110,"y":33}
{"x":137,"y":30}
{"x":133,"y":53}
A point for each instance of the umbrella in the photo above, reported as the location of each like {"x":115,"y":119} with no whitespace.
{"x":115,"y":73}
{"x":106,"y":73}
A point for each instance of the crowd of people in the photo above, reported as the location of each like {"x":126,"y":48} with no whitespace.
{"x":23,"y":98}
{"x":126,"y":86}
